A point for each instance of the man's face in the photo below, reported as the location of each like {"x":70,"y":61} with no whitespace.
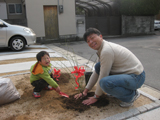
{"x":94,"y":41}
{"x":45,"y":60}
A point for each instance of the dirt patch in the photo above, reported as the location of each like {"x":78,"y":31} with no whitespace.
{"x":13,"y":73}
{"x":28,"y":59}
{"x":77,"y":105}
{"x":53,"y":106}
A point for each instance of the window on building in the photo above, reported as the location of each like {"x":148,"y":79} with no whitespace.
{"x":15,"y":8}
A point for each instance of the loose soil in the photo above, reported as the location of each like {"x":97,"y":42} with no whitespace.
{"x":52,"y":106}
{"x":77,"y":105}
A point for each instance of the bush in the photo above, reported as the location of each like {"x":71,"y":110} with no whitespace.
{"x":139,"y":7}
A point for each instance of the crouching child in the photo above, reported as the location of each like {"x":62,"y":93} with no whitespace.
{"x":41,"y":75}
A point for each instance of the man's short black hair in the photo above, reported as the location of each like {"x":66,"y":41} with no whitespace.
{"x":41,"y":54}
{"x":90,"y":31}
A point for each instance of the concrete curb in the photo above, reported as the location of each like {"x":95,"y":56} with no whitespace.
{"x":130,"y":114}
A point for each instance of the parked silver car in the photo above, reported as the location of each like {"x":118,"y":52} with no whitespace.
{"x":15,"y":37}
{"x":156,"y":24}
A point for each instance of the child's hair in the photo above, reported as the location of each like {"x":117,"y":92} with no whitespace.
{"x":41,"y":54}
{"x":90,"y":31}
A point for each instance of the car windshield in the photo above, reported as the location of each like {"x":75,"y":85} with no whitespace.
{"x":156,"y":22}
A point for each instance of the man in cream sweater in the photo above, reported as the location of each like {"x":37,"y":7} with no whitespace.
{"x":118,"y":73}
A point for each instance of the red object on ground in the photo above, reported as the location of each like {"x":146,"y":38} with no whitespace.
{"x":56,"y":74}
{"x":62,"y":94}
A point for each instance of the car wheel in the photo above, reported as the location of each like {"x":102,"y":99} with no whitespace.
{"x":17,"y":43}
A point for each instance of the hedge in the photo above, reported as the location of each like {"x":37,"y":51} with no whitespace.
{"x":139,"y":7}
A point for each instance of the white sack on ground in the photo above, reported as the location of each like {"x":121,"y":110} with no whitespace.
{"x":8,"y":91}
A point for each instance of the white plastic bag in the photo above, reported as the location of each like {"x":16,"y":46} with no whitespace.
{"x":8,"y":92}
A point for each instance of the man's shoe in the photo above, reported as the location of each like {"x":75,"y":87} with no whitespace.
{"x":36,"y":94}
{"x":48,"y":88}
{"x":136,"y":96}
{"x":128,"y":104}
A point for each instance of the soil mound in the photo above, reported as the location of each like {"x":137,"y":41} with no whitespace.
{"x":71,"y":103}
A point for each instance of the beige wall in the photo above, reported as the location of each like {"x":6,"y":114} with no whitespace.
{"x":35,"y":16}
{"x":3,"y":10}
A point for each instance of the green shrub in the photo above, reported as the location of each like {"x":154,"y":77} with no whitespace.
{"x":139,"y":7}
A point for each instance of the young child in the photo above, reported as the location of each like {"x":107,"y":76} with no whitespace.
{"x":41,"y":75}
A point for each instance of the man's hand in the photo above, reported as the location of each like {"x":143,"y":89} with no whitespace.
{"x":57,"y":89}
{"x":89,"y":101}
{"x":80,"y":95}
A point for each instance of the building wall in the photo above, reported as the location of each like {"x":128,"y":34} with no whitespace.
{"x":13,"y":16}
{"x":35,"y":16}
{"x":3,"y":11}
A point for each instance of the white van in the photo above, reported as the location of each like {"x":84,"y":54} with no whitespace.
{"x":156,"y":24}
{"x":15,"y":37}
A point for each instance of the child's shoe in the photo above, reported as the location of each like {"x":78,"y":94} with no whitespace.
{"x":48,"y":88}
{"x":36,"y":94}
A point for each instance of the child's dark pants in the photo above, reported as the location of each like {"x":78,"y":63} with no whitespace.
{"x":39,"y":85}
